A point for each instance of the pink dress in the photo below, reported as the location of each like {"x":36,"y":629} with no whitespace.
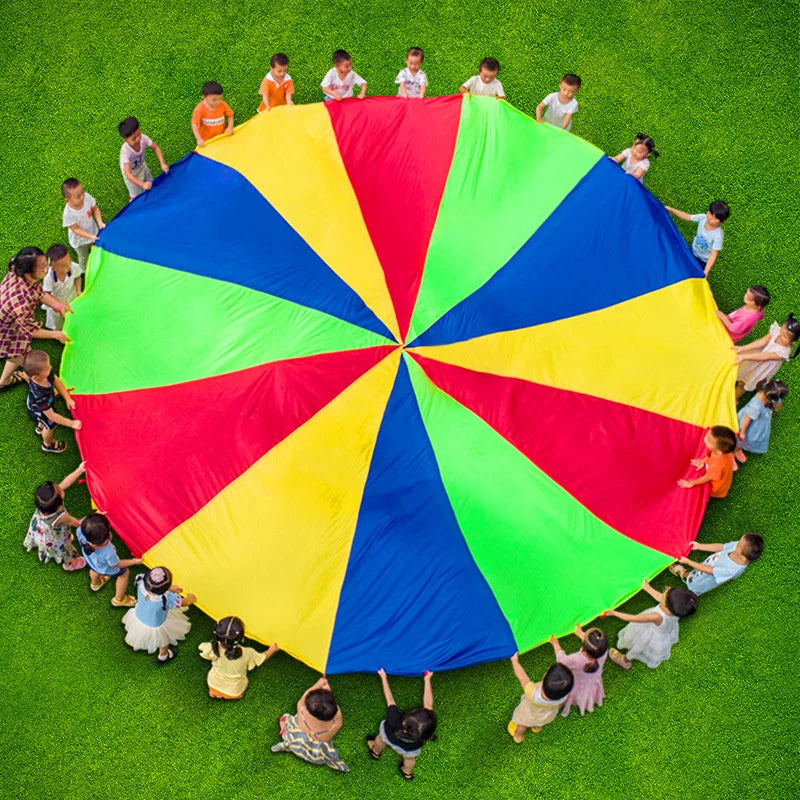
{"x":588,"y":690}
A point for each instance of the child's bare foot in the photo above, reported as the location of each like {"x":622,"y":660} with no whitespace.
{"x":740,"y":456}
{"x":618,"y":658}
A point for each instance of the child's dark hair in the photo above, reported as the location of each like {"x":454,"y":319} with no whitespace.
{"x":647,"y":141}
{"x":572,"y":80}
{"x":557,"y":682}
{"x":157,"y":581}
{"x":209,"y":87}
{"x":35,"y":361}
{"x":57,"y":251}
{"x":720,"y":209}
{"x":491,"y":64}
{"x":47,"y":498}
{"x":321,"y":704}
{"x":340,"y":56}
{"x":417,"y":725}
{"x":774,"y":391}
{"x":681,"y":602}
{"x":69,"y":185}
{"x":279,"y":60}
{"x":24,"y":262}
{"x":229,"y":632}
{"x":724,"y":437}
{"x":793,"y":326}
{"x":753,"y":546}
{"x":761,"y":295}
{"x":128,"y":126}
{"x":419,"y":53}
{"x":96,"y":531}
{"x":595,"y":645}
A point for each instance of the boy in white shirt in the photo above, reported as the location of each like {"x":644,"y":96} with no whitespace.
{"x":135,"y":172}
{"x":412,"y":81}
{"x":81,"y":218}
{"x":338,"y":82}
{"x":559,"y":107}
{"x":485,"y":83}
{"x":63,"y":280}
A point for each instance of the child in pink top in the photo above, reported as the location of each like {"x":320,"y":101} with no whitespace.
{"x":742,"y":321}
{"x":586,"y":666}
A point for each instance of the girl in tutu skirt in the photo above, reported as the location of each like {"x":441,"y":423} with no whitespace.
{"x":157,"y":622}
{"x":586,"y":666}
{"x":649,"y":636}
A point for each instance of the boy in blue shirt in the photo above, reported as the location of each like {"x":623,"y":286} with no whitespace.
{"x":709,"y":237}
{"x":726,"y":561}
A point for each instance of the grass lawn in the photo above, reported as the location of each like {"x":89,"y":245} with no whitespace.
{"x":714,"y":85}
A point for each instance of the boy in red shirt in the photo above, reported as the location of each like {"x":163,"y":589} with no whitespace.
{"x":718,"y":464}
{"x":208,"y":119}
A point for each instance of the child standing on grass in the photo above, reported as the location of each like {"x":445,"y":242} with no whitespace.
{"x":404,"y":733}
{"x":231,"y":660}
{"x":82,"y":218}
{"x":132,"y":163}
{"x":158,"y":620}
{"x":49,"y":529}
{"x":761,"y":359}
{"x":277,"y":87}
{"x":42,"y":386}
{"x":209,"y":115}
{"x":63,"y":280}
{"x":755,"y":419}
{"x":742,"y":321}
{"x":558,"y":108}
{"x":649,"y":636}
{"x":540,"y":702}
{"x":485,"y":83}
{"x":635,"y":159}
{"x":718,"y":465}
{"x":339,"y":81}
{"x":94,"y":537}
{"x":586,"y":666}
{"x":708,"y":240}
{"x":412,"y":81}
{"x":727,"y":561}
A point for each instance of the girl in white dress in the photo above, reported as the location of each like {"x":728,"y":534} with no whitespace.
{"x":635,"y":160}
{"x":761,"y":359}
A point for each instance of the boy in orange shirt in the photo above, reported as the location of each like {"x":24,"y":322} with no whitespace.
{"x":277,"y":88}
{"x":718,"y":464}
{"x":208,"y":119}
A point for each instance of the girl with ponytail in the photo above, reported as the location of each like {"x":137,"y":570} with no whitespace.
{"x":586,"y":666}
{"x":761,"y":359}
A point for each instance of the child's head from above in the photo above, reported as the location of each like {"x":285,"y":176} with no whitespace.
{"x":342,"y":62}
{"x":158,"y":580}
{"x":212,"y":94}
{"x":718,"y":212}
{"x":414,"y":58}
{"x":595,"y":645}
{"x":758,"y":295}
{"x":96,"y":529}
{"x":29,"y":261}
{"x":774,"y":392}
{"x":488,"y":69}
{"x":36,"y":363}
{"x":750,"y":546}
{"x":557,"y":682}
{"x":49,"y":497}
{"x":643,"y":146}
{"x":792,"y":327}
{"x":680,"y":602}
{"x":419,"y":724}
{"x":73,"y":192}
{"x":229,"y":632}
{"x":130,"y":132}
{"x":321,"y":704}
{"x":279,"y":66}
{"x":568,"y":87}
{"x":722,"y":438}
{"x":58,"y":258}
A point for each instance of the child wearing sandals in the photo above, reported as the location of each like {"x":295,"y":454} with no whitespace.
{"x":586,"y":666}
{"x":49,"y":530}
{"x":158,"y":620}
{"x":94,"y":536}
{"x":649,"y":636}
{"x":727,"y":561}
{"x":404,"y":733}
{"x":230,"y":660}
{"x":540,"y":702}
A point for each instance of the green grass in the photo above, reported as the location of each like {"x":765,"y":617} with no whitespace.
{"x":714,"y":85}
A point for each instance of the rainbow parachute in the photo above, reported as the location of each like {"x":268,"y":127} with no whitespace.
{"x":404,"y":384}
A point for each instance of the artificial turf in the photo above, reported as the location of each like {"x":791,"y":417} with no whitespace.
{"x":714,"y":85}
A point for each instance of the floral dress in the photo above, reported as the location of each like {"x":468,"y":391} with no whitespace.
{"x":18,"y":301}
{"x":53,"y":539}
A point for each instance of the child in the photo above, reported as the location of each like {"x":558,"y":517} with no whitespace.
{"x":277,"y":87}
{"x":82,"y":218}
{"x":230,"y":660}
{"x":94,"y":537}
{"x":649,"y":636}
{"x":158,"y":620}
{"x":42,"y":386}
{"x":135,"y":172}
{"x":634,"y":159}
{"x":718,"y":465}
{"x":309,"y":733}
{"x":64,"y":281}
{"x":49,"y":530}
{"x":709,"y":237}
{"x":540,"y":702}
{"x":586,"y":666}
{"x":485,"y":83}
{"x":209,"y":115}
{"x":742,"y":321}
{"x":726,"y":561}
{"x":412,"y":81}
{"x":339,"y":81}
{"x":755,"y":419}
{"x":404,"y":733}
{"x":560,"y":106}
{"x":764,"y":356}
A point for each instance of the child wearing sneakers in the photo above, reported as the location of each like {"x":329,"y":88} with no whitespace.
{"x":727,"y":561}
{"x":82,"y":218}
{"x":209,"y":115}
{"x":559,"y":107}
{"x":277,"y":88}
{"x":135,"y":172}
{"x":63,"y":280}
{"x":708,"y":240}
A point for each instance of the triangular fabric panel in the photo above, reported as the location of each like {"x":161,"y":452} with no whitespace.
{"x":407,"y":542}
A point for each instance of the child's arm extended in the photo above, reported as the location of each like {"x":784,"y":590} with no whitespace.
{"x":556,"y":646}
{"x":654,"y":593}
{"x":651,"y":616}
{"x":427,"y":694}
{"x":712,"y":258}
{"x":522,"y":676}
{"x":566,"y":122}
{"x":98,"y":217}
{"x":62,"y":390}
{"x":723,"y":318}
{"x":403,"y":90}
{"x":331,"y":93}
{"x":687,"y":562}
{"x":229,"y":129}
{"x":196,"y":131}
{"x":618,"y":158}
{"x":743,"y":430}
{"x":146,"y":185}
{"x":124,"y":563}
{"x":363,"y":91}
{"x":464,"y":89}
{"x":684,"y":483}
{"x":75,"y":424}
{"x":705,"y":548}
{"x":750,"y":356}
{"x":160,"y":156}
{"x":540,"y":110}
{"x":387,"y":692}
{"x":681,"y":214}
{"x":72,"y":477}
{"x":78,"y":231}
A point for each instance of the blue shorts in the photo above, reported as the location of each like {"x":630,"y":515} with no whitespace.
{"x":701,"y":263}
{"x":40,"y":419}
{"x":117,"y":574}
